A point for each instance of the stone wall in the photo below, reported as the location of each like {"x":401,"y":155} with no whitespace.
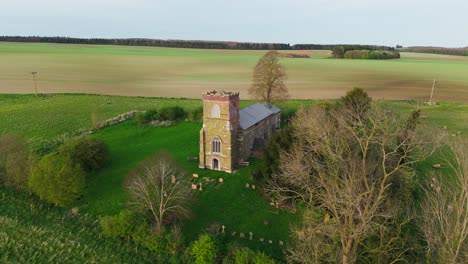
{"x":223,"y":127}
{"x":261,"y":131}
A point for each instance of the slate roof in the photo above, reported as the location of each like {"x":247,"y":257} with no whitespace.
{"x":255,"y":113}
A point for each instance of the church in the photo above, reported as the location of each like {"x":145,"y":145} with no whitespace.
{"x":230,"y":136}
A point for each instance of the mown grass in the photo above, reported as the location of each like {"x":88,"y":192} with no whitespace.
{"x":239,"y":208}
{"x":171,"y":72}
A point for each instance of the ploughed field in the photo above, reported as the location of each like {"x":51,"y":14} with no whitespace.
{"x":172,"y":72}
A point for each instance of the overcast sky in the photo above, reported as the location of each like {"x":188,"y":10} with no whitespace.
{"x":387,"y":22}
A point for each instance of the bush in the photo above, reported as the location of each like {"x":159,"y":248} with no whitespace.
{"x":57,"y":179}
{"x":172,"y":113}
{"x":91,"y":153}
{"x":196,"y":115}
{"x":247,"y":256}
{"x":165,"y":245}
{"x":146,"y":117}
{"x":117,"y":226}
{"x":15,"y":162}
{"x":203,"y":250}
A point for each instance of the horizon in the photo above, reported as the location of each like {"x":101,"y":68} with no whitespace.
{"x":217,"y":41}
{"x":416,"y":23}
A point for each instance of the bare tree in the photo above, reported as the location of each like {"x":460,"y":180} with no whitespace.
{"x":15,"y":162}
{"x":444,"y":209}
{"x":160,"y":189}
{"x":268,"y":79}
{"x":349,"y":170}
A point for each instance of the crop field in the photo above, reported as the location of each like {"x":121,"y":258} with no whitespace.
{"x":170,"y":72}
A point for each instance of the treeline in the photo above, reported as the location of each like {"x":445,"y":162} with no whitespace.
{"x":372,"y":54}
{"x":346,"y":47}
{"x":198,"y":44}
{"x":439,"y":50}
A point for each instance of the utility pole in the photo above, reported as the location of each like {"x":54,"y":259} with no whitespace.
{"x":432,"y":91}
{"x":34,"y":78}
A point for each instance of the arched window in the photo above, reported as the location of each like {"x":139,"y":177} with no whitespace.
{"x":216,"y":145}
{"x":215,"y":111}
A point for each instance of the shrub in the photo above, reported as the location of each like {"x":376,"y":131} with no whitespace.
{"x":196,"y":115}
{"x":91,"y":153}
{"x":57,"y":179}
{"x":146,"y":117}
{"x":15,"y":162}
{"x":166,"y":245}
{"x":117,"y":226}
{"x":247,"y":256}
{"x":172,"y":113}
{"x":203,"y":250}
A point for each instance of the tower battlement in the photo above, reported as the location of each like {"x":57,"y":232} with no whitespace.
{"x":215,"y":95}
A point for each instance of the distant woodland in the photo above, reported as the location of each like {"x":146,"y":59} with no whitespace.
{"x":439,"y":50}
{"x":199,"y":44}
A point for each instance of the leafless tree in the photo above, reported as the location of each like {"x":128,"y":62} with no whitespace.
{"x":15,"y":162}
{"x":444,"y":210}
{"x":268,"y":79}
{"x":160,"y":189}
{"x":348,"y":169}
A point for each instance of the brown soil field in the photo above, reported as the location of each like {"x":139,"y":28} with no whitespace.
{"x":168,"y":72}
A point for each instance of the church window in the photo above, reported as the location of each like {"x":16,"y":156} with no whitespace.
{"x":216,"y":145}
{"x":215,"y":111}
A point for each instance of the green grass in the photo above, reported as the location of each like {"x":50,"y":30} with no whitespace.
{"x":31,"y":232}
{"x":171,"y":72}
{"x":231,"y":203}
{"x":238,"y":208}
{"x":50,"y":116}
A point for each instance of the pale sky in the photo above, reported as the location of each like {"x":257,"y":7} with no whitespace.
{"x":390,"y":22}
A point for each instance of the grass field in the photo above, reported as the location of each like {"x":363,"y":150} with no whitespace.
{"x":231,"y":203}
{"x":170,"y":72}
{"x":238,"y":208}
{"x":32,"y":232}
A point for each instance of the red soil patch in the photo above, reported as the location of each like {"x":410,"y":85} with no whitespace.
{"x":294,"y":55}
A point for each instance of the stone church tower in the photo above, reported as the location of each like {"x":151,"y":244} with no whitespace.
{"x":218,"y":136}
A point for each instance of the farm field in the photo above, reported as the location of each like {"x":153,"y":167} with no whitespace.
{"x":171,"y":72}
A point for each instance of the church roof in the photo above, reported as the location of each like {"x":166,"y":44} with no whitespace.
{"x":255,"y":113}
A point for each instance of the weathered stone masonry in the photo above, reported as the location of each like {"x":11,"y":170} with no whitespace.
{"x":229,"y":136}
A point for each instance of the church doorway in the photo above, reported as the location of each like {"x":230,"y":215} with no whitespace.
{"x":215,"y":165}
